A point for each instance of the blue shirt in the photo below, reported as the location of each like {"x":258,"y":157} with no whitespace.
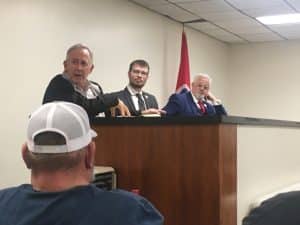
{"x":82,"y":205}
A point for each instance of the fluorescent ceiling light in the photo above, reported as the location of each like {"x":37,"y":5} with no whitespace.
{"x":280,"y":19}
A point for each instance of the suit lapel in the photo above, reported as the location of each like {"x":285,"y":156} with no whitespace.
{"x":193,"y":105}
{"x":210,"y":109}
{"x":129,"y":99}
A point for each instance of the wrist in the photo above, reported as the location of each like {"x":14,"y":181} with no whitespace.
{"x":217,"y":102}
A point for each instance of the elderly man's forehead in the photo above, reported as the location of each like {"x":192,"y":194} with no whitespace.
{"x":76,"y":50}
{"x":201,"y":79}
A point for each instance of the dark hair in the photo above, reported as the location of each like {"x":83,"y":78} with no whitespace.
{"x":52,"y":161}
{"x":139,"y":62}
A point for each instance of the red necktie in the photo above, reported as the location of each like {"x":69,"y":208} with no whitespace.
{"x":202,"y":106}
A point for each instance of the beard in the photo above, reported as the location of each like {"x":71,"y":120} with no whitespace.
{"x":137,"y":86}
{"x":199,"y":96}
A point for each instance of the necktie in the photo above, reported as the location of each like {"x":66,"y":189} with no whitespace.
{"x":202,"y":106}
{"x":140,"y":102}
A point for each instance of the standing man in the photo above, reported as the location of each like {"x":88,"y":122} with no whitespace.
{"x":60,"y":153}
{"x":198,"y":102}
{"x":139,"y":102}
{"x":73,"y":85}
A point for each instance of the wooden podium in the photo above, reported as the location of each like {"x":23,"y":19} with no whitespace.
{"x":185,"y":166}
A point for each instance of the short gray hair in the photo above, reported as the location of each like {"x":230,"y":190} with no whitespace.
{"x":80,"y":46}
{"x":41,"y":162}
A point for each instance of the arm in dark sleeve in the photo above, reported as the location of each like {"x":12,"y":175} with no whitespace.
{"x":60,"y":89}
{"x":220,"y":110}
{"x":150,"y":100}
{"x":155,"y":104}
{"x":173,"y":107}
{"x":147,"y":214}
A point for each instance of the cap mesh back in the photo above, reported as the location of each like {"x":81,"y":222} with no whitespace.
{"x":65,"y":118}
{"x":68,"y":123}
{"x":40,"y":118}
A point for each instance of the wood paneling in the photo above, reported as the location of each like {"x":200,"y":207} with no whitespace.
{"x":187,"y":171}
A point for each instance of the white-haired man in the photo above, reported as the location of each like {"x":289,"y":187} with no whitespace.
{"x":60,"y":153}
{"x":198,"y":102}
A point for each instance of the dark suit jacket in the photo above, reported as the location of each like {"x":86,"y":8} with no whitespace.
{"x":125,"y":96}
{"x":184,"y":105}
{"x":282,"y":209}
{"x":60,"y":89}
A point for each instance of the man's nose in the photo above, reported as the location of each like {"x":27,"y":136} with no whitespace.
{"x":79,"y":66}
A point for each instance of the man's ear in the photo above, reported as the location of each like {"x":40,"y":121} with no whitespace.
{"x":25,"y":152}
{"x":65,"y":65}
{"x":90,"y":155}
{"x":92,"y":68}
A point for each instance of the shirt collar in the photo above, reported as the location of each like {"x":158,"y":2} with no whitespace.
{"x":132,"y":91}
{"x":194,"y":98}
{"x":89,"y":84}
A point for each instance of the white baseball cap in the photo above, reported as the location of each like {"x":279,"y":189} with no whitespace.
{"x":65,"y":118}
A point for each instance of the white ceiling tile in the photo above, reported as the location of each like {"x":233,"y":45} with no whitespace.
{"x":256,"y":4}
{"x":206,"y":6}
{"x":184,"y":1}
{"x":148,"y":3}
{"x":247,"y":26}
{"x":294,"y":3}
{"x":231,"y":22}
{"x":215,"y":32}
{"x":293,"y":36}
{"x":222,"y":16}
{"x":174,"y":12}
{"x":230,"y":39}
{"x":218,"y":32}
{"x":250,"y":30}
{"x":287,"y":29}
{"x":204,"y":26}
{"x":269,"y":36}
{"x":275,"y":10}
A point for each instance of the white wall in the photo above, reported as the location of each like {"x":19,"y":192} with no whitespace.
{"x":265,"y":80}
{"x":267,"y":160}
{"x":36,"y":34}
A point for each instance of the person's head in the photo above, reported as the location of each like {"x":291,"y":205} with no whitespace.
{"x":138,"y":73}
{"x":201,"y":86}
{"x":59,"y":139}
{"x":78,"y":64}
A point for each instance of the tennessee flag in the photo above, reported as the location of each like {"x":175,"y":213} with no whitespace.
{"x":183,"y":80}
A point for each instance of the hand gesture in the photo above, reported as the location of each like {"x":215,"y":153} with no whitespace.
{"x":153,"y":111}
{"x":213,"y":98}
{"x":122,"y":109}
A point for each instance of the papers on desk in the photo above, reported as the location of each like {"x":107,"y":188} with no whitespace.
{"x":151,"y":115}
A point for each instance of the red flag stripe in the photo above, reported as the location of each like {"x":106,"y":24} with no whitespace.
{"x":183,"y":80}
